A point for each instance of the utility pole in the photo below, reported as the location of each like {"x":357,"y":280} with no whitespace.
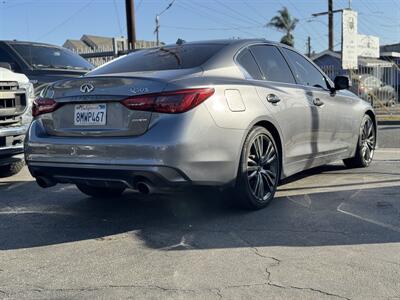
{"x":330,"y":23}
{"x":330,"y":13}
{"x":309,"y":46}
{"x":157,"y":30}
{"x":130,"y":23}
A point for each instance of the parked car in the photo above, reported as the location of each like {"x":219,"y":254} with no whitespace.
{"x":42,"y":63}
{"x":372,"y":89}
{"x":16,"y":97}
{"x":240,"y":114}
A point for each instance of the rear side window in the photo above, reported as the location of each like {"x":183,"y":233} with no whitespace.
{"x":164,"y":58}
{"x":272,"y":64}
{"x":248,"y":64}
{"x":304,"y":71}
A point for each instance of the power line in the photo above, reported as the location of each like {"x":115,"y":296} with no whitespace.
{"x":216,"y":11}
{"x":305,"y":24}
{"x":66,"y":20}
{"x":242,"y":16}
{"x":118,"y":18}
{"x":251,"y":7}
{"x":207,"y":15}
{"x":211,"y":28}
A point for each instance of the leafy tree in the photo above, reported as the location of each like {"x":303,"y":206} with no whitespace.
{"x":285,"y":23}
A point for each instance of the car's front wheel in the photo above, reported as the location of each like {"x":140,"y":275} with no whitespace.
{"x":259,"y":170}
{"x":365,"y":145}
{"x":100,"y":192}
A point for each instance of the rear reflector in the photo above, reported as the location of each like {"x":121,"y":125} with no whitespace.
{"x":43,"y":106}
{"x":169,"y":102}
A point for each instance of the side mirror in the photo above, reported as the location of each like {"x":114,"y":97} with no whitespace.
{"x":342,"y":82}
{"x":5,"y":65}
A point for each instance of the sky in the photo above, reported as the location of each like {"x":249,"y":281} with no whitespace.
{"x":54,"y":21}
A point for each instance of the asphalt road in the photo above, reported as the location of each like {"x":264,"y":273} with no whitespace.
{"x":389,"y":136}
{"x":330,"y":233}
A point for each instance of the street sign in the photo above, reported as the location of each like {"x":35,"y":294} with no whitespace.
{"x":349,"y":40}
{"x":368,"y":46}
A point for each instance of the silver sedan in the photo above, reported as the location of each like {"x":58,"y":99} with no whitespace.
{"x":239,"y":114}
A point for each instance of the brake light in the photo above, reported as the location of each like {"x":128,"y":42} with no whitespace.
{"x":169,"y":102}
{"x":43,"y":106}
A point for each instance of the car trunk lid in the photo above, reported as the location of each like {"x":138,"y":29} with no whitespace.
{"x":91,"y":106}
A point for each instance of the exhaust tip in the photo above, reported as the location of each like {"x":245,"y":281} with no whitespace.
{"x":44,"y":182}
{"x":144,"y":188}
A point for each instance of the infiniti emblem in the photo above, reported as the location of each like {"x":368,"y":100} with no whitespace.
{"x":86,"y":88}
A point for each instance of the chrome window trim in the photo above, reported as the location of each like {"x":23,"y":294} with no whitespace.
{"x":296,"y":84}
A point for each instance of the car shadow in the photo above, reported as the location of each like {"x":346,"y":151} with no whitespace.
{"x":198,"y":219}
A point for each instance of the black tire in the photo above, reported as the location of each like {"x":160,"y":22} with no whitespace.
{"x":258,"y":175}
{"x":100,"y":192}
{"x":12,"y":168}
{"x":365,"y":145}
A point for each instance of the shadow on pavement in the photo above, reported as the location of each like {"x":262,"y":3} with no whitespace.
{"x":201,"y":219}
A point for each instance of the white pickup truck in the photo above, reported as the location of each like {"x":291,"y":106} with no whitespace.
{"x":16,"y":96}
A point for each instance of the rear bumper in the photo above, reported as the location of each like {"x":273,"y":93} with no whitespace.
{"x":107,"y":175}
{"x":173,"y":152}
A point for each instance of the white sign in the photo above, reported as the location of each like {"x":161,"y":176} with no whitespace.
{"x":349,"y":40}
{"x":368,"y":46}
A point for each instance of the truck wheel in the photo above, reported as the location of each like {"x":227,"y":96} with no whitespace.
{"x":11,"y":169}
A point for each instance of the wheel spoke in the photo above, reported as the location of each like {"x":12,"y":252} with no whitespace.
{"x":255,"y":189}
{"x":251,"y":176}
{"x":370,"y":143}
{"x":271,"y":159}
{"x":259,"y":147}
{"x":270,"y":177}
{"x":269,"y":155}
{"x":267,"y":180}
{"x":261,"y":187}
{"x":369,"y":132}
{"x":251,"y":161}
{"x":252,"y":168}
{"x":363,"y":151}
{"x":367,"y":154}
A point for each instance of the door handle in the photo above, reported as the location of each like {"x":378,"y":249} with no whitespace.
{"x":318,"y":102}
{"x":272,"y":98}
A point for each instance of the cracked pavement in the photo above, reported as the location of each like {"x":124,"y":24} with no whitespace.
{"x":331,"y":233}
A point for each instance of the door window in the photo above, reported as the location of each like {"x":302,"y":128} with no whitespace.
{"x":272,"y":64}
{"x":304,"y":71}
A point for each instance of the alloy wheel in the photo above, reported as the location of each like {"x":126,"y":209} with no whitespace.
{"x":367,"y":141}
{"x":262,"y":167}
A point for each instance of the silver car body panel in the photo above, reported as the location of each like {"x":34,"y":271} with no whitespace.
{"x":203,"y":145}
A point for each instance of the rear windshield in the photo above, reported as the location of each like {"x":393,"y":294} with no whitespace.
{"x":164,"y":58}
{"x":48,"y":57}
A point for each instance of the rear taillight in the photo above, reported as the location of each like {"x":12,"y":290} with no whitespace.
{"x":43,"y":106}
{"x":169,"y":102}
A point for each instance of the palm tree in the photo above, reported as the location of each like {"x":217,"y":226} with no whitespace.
{"x":283,"y":22}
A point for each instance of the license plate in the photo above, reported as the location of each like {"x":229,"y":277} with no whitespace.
{"x":90,"y":114}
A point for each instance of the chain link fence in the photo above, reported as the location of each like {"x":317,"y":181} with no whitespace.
{"x":377,"y":84}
